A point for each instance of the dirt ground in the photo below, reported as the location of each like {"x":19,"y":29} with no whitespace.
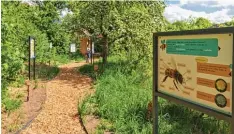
{"x":53,"y":103}
{"x":52,"y":107}
{"x":13,"y":121}
{"x":59,"y":113}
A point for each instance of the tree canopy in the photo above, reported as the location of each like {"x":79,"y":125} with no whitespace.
{"x":126,"y":27}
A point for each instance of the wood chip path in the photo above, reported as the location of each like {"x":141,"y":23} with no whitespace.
{"x":59,"y":113}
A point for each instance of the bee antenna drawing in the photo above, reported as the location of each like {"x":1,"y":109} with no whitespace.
{"x":165,"y":65}
{"x":173,"y":62}
{"x":184,"y":73}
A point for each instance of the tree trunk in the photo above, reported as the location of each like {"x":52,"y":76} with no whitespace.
{"x":105,"y":49}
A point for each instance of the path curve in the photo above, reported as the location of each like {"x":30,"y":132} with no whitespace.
{"x":59,"y":113}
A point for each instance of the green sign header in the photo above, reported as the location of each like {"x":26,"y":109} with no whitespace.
{"x":200,"y":47}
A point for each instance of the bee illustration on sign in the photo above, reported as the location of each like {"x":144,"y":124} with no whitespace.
{"x":174,"y":73}
{"x":164,"y":45}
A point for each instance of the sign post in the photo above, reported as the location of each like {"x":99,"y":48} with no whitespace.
{"x":50,"y":52}
{"x":73,"y":48}
{"x":91,"y":48}
{"x":32,"y":56}
{"x":194,"y":68}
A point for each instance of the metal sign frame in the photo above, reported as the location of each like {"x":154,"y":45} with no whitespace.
{"x":157,"y":94}
{"x":34,"y":58}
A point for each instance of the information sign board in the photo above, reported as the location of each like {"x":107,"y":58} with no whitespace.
{"x":194,"y":68}
{"x":73,"y":48}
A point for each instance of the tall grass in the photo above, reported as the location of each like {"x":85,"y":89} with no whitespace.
{"x":64,"y":59}
{"x":123,"y":102}
{"x":121,"y":99}
{"x":43,"y":72}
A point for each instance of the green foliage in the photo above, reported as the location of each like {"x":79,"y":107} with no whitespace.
{"x":122,"y":92}
{"x":191,"y":23}
{"x":46,"y":72}
{"x":19,"y":81}
{"x":65,"y":58}
{"x":123,"y":102}
{"x":4,"y":90}
{"x":19,"y":21}
{"x":11,"y":104}
{"x":87,"y":106}
{"x":230,"y":23}
{"x":88,"y":69}
{"x":76,"y":56}
{"x":16,"y":27}
{"x":196,"y":23}
{"x":50,"y":23}
{"x":61,"y":59}
{"x":121,"y":98}
{"x":126,"y":27}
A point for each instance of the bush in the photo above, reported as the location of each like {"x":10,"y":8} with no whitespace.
{"x":11,"y":104}
{"x":122,"y":96}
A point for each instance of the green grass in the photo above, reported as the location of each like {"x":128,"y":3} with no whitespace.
{"x":43,"y":72}
{"x":46,"y":72}
{"x":20,"y":80}
{"x":121,"y":99}
{"x":11,"y":104}
{"x":64,"y":59}
{"x":87,"y":70}
{"x":123,"y":102}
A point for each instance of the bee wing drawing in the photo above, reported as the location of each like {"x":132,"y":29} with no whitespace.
{"x":173,"y":63}
{"x":165,"y":65}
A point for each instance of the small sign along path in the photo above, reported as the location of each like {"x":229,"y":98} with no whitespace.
{"x":59,"y":113}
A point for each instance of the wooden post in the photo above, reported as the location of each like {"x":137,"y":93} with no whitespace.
{"x":27,"y":82}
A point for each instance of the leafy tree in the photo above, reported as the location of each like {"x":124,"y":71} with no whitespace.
{"x":126,"y":27}
{"x":49,"y":22}
{"x":191,"y":23}
{"x":201,"y":23}
{"x":230,"y":23}
{"x":21,"y":20}
{"x":16,"y":27}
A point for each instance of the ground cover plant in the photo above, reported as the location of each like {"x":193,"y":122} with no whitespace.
{"x":121,"y":99}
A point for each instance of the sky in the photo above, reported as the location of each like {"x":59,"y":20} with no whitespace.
{"x":217,"y":11}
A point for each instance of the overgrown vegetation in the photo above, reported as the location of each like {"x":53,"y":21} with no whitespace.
{"x":121,"y":102}
{"x":38,"y":19}
{"x":125,"y":88}
{"x":120,"y":29}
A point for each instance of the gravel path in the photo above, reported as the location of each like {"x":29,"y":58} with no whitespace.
{"x":59,"y":113}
